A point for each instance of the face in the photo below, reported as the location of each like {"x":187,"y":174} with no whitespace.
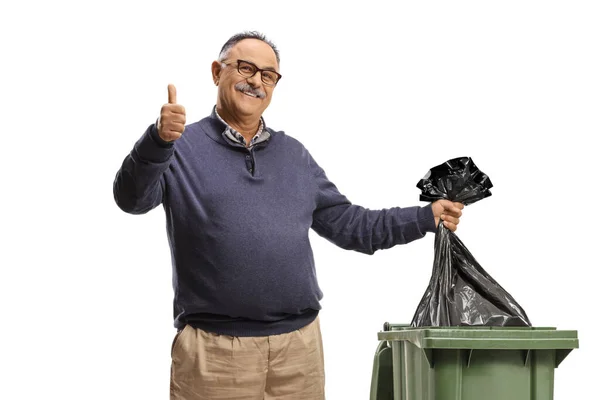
{"x":235,"y":91}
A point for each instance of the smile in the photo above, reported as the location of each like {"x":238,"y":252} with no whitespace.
{"x":251,"y":94}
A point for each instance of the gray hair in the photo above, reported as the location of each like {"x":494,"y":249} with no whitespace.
{"x":235,"y":39}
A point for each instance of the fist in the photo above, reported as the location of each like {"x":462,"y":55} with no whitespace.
{"x":447,"y":211}
{"x":172,"y":118}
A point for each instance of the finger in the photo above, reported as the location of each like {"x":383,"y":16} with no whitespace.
{"x":175,"y":120}
{"x":458,"y":205}
{"x":450,"y":226}
{"x":175,"y":108}
{"x":168,"y":116}
{"x":174,"y":127}
{"x":450,"y":219}
{"x":174,"y":134}
{"x":455,"y":212}
{"x":172,"y":94}
{"x":452,"y":209}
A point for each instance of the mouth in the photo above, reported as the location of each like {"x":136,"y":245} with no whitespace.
{"x":250,"y":94}
{"x":249,"y":91}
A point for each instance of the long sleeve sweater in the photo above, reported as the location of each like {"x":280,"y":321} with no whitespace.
{"x":238,"y":223}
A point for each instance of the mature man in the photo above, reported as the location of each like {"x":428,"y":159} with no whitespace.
{"x":240,"y":199}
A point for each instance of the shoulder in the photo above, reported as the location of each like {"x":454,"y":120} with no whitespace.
{"x":293,"y":150}
{"x":290,"y":143}
{"x":203,"y":131}
{"x":206,"y":123}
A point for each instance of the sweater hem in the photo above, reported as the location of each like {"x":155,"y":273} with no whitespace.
{"x":250,"y":328}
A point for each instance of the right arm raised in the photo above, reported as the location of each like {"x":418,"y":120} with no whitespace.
{"x":138,"y":187}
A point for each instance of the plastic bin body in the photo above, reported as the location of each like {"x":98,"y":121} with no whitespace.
{"x":469,"y":363}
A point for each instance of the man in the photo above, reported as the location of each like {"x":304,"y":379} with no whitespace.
{"x":240,"y":199}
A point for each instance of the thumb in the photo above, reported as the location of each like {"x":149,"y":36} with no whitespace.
{"x":172,"y":94}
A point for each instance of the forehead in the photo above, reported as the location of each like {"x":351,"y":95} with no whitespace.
{"x":256,"y":51}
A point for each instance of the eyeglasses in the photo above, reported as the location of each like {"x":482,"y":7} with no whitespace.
{"x":248,"y":70}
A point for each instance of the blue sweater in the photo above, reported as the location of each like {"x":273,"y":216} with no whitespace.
{"x":238,"y":223}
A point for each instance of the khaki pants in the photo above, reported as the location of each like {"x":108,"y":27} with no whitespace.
{"x":207,"y":366}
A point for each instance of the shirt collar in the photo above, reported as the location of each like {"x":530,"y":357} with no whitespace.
{"x":261,"y":134}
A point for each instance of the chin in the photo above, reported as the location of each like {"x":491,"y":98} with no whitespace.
{"x":249,"y":108}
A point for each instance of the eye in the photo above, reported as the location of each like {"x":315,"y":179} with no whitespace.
{"x":270,"y":77}
{"x":246,"y":68}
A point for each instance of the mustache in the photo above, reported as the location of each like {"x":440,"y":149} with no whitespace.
{"x":244,"y":87}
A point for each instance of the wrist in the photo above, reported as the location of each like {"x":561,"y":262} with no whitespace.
{"x":154,"y":132}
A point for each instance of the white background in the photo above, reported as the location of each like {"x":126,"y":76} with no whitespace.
{"x":378,"y":92}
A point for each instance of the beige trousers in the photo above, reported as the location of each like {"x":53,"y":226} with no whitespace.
{"x":207,"y":366}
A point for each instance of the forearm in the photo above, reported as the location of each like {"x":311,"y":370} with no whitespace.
{"x":353,"y":227}
{"x":137,"y":187}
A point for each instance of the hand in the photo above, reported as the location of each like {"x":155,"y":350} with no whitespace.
{"x":448,"y":212}
{"x":172,"y":118}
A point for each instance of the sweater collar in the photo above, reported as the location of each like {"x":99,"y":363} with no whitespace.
{"x":220,"y":131}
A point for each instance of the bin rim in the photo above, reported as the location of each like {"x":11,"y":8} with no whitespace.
{"x":482,"y":337}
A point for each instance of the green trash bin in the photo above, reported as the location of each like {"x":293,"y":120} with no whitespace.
{"x":468,"y":363}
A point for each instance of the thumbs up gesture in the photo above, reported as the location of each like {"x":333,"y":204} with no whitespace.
{"x":172,"y":118}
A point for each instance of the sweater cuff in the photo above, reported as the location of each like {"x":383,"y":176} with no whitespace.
{"x":149,"y":147}
{"x":157,"y":138}
{"x":426,"y":219}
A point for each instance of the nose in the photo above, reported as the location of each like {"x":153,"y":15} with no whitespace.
{"x":255,"y":80}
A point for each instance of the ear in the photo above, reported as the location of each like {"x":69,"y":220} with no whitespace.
{"x":216,"y":71}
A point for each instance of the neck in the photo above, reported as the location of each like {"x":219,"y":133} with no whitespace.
{"x":247,"y":127}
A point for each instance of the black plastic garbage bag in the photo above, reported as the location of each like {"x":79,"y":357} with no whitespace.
{"x":460,"y":292}
{"x":458,"y":179}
